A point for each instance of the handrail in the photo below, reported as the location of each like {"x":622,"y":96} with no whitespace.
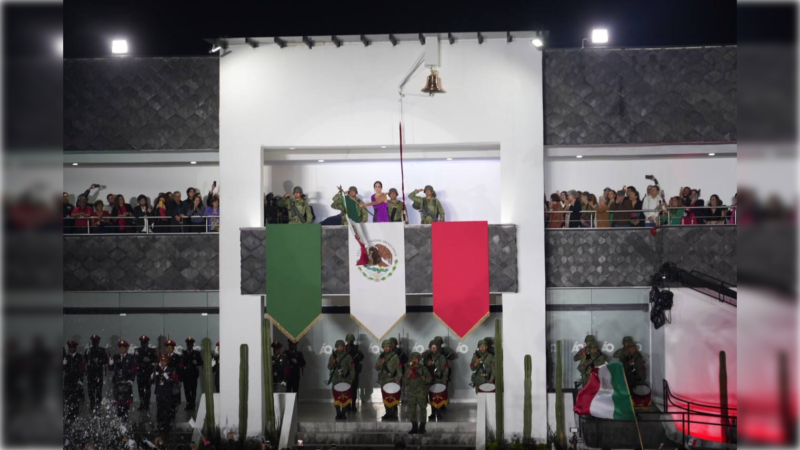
{"x":659,"y":211}
{"x":149,"y":223}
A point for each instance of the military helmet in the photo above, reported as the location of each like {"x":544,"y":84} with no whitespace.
{"x":386,"y":343}
{"x":353,"y":188}
{"x":350,"y":337}
{"x":439,"y":341}
{"x":482,"y":342}
{"x":589,"y":338}
{"x":415,"y":355}
{"x":432,"y":343}
{"x":339,"y":343}
{"x":297,"y":190}
{"x":592,"y":345}
{"x":627,"y":341}
{"x":394,"y":190}
{"x":489,"y":340}
{"x":394,"y":341}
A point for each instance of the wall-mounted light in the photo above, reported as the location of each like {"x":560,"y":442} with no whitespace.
{"x":537,"y":42}
{"x":119,"y":46}
{"x":74,"y":164}
{"x":203,"y":314}
{"x":711,"y":154}
{"x":449,"y":159}
{"x":600,"y":36}
{"x":193,"y":162}
{"x":320,"y":160}
{"x":291,"y":148}
{"x":383,"y":146}
{"x":579,"y":156}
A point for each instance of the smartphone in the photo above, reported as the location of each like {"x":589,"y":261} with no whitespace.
{"x":215,"y":184}
{"x":649,"y":177}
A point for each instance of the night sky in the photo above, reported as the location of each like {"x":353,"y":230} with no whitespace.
{"x":176,"y":28}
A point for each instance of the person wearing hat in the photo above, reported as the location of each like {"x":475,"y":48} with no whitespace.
{"x":416,"y":380}
{"x":123,"y":368}
{"x":146,"y":359}
{"x":437,"y":365}
{"x":581,"y":355}
{"x":396,"y":207}
{"x":298,"y":207}
{"x":96,"y":359}
{"x":192,"y":362}
{"x":297,"y":363}
{"x":175,"y":361}
{"x":166,"y":381}
{"x":634,"y":364}
{"x":482,"y":365}
{"x":280,"y":368}
{"x":343,"y":205}
{"x":594,"y":358}
{"x":622,"y":351}
{"x":74,"y":370}
{"x":429,"y":207}
{"x":389,"y":371}
{"x":342,"y":371}
{"x":357,"y":355}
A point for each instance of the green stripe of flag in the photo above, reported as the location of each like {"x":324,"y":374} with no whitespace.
{"x":294,"y":277}
{"x":623,"y":408}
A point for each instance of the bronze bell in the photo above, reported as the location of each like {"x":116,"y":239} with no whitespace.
{"x":433,"y":85}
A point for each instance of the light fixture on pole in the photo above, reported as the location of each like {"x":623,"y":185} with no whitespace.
{"x":119,"y":46}
{"x":599,"y":36}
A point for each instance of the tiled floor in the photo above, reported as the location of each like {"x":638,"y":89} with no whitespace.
{"x":372,"y":412}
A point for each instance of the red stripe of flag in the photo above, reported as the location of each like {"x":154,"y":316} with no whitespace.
{"x":460,"y":253}
{"x":583,"y":402}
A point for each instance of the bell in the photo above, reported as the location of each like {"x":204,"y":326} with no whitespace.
{"x":433,"y":85}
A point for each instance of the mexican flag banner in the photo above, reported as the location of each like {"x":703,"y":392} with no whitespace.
{"x":377,"y":263}
{"x":606,"y":395}
{"x":294,"y":277}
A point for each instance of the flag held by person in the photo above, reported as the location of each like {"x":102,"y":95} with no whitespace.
{"x":606,"y":395}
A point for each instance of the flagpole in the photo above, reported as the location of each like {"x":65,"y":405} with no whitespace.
{"x":633,"y":408}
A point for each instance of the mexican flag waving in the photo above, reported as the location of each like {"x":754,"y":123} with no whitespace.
{"x":351,"y":211}
{"x":606,"y":395}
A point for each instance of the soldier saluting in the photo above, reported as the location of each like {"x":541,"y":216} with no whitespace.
{"x":482,"y":366}
{"x":429,"y":207}
{"x":123,"y":367}
{"x":298,"y":207}
{"x":390,"y":370}
{"x":96,"y":359}
{"x":352,"y":349}
{"x":192,"y":361}
{"x":74,"y":370}
{"x":416,"y":381}
{"x":146,"y":359}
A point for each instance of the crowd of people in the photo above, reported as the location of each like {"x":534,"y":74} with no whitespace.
{"x":628,"y":208}
{"x":168,"y":213}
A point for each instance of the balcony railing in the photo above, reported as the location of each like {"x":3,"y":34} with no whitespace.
{"x":139,"y":225}
{"x":665,"y":216}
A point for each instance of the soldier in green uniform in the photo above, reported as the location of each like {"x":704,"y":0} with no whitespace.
{"x":299,"y":209}
{"x":395,"y":207}
{"x":342,"y":371}
{"x":429,"y":207}
{"x":400,"y":353}
{"x":482,"y":365}
{"x":436,"y":363}
{"x":338,"y":203}
{"x":355,"y":352}
{"x":389,"y":371}
{"x":635,"y":368}
{"x":622,"y":351}
{"x":594,"y":358}
{"x":416,"y":381}
{"x":581,"y":355}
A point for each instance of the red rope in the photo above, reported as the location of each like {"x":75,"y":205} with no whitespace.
{"x":402,"y":173}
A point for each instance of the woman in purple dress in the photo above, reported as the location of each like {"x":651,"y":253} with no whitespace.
{"x":379,"y":204}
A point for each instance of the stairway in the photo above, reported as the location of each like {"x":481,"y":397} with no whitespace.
{"x":440,"y":435}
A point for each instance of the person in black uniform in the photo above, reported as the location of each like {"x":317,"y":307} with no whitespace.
{"x":355,"y":352}
{"x":123,"y":367}
{"x":166,"y":380}
{"x":74,"y":370}
{"x":192,"y":361}
{"x":146,"y":359}
{"x":280,"y":368}
{"x":175,"y":361}
{"x":96,"y":359}
{"x":297,"y":363}
{"x":400,"y":353}
{"x":215,"y":369}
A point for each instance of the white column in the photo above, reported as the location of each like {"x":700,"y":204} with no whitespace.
{"x":241,"y":164}
{"x":522,"y":172}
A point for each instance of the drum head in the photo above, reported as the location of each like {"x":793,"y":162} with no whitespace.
{"x":391,"y":388}
{"x":341,"y":387}
{"x":641,"y":390}
{"x":438,"y":388}
{"x":486,"y":387}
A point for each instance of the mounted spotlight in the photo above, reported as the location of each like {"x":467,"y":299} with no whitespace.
{"x":433,"y":85}
{"x":600,"y":36}
{"x":119,"y":46}
{"x":537,"y":42}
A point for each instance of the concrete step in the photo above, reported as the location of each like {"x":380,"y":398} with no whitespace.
{"x":439,"y":434}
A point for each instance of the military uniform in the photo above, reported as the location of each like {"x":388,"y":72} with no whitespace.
{"x":482,"y":366}
{"x":175,"y":361}
{"x":192,"y":361}
{"x":299,"y":210}
{"x":342,"y":371}
{"x":338,"y":204}
{"x":400,"y":353}
{"x":591,"y":361}
{"x":352,"y":349}
{"x":390,"y":370}
{"x":581,"y":355}
{"x":96,"y":359}
{"x":146,"y":360}
{"x":634,"y":364}
{"x":430,"y":210}
{"x":622,"y":351}
{"x":416,"y":381}
{"x":74,"y":370}
{"x":395,"y":208}
{"x":297,"y":363}
{"x":436,"y":364}
{"x":123,"y":367}
{"x":280,"y":368}
{"x":165,"y":379}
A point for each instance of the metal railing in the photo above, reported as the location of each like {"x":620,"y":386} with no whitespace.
{"x":663,"y":215}
{"x":725,"y":418}
{"x":140,"y":225}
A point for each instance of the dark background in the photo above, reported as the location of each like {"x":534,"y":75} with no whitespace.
{"x":177,"y":28}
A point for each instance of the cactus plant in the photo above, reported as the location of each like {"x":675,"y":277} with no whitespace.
{"x":266,"y":360}
{"x":208,"y":389}
{"x":561,"y":437}
{"x":527,"y":409}
{"x":498,"y":379}
{"x":244,"y":388}
{"x":723,"y":394}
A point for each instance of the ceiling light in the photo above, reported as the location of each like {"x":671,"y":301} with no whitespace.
{"x":320,"y":160}
{"x":449,"y":159}
{"x":193,"y":162}
{"x":711,"y":154}
{"x":383,"y":146}
{"x":291,"y":148}
{"x":119,"y":46}
{"x":74,"y":164}
{"x":579,"y":156}
{"x":203,"y":314}
{"x":599,"y":36}
{"x":537,"y":42}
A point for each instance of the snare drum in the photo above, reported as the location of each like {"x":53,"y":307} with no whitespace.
{"x":486,"y":387}
{"x":437,"y":395}
{"x":641,"y":396}
{"x":391,"y":394}
{"x":342,"y":394}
